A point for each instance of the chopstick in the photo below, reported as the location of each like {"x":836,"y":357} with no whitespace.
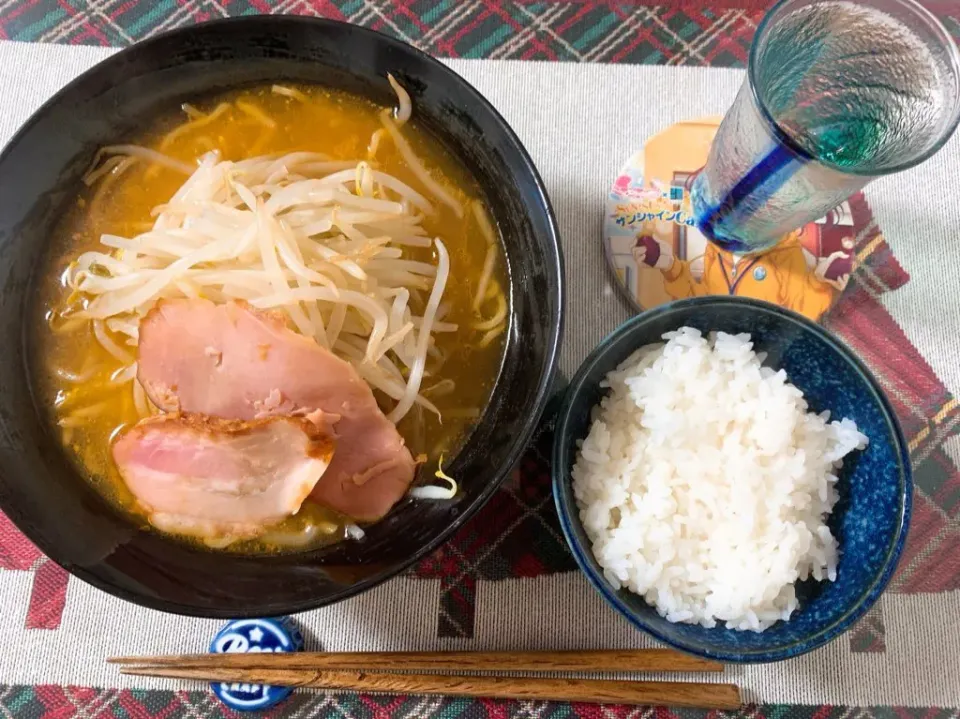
{"x":363,"y":671}
{"x":605,"y":691}
{"x":602,"y":660}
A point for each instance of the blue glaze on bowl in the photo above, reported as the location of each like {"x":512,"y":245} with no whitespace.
{"x":870,"y":520}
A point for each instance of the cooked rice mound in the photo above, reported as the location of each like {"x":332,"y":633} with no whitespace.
{"x":704,"y":483}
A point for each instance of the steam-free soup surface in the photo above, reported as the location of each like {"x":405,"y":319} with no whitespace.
{"x":77,"y":377}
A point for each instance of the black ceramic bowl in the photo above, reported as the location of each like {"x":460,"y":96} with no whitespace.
{"x":39,"y":172}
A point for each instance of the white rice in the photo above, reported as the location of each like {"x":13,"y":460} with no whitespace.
{"x":704,"y":484}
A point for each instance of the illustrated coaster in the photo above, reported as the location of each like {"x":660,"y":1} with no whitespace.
{"x":658,"y":255}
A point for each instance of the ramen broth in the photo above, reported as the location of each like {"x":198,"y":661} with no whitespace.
{"x":90,"y":405}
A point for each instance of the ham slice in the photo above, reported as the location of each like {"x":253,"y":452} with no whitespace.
{"x":212,"y":478}
{"x":230,"y":360}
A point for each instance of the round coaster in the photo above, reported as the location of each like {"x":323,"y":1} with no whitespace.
{"x":658,"y":255}
{"x":255,"y":635}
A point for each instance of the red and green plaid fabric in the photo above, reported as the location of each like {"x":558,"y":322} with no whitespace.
{"x":47,"y":700}
{"x":517,"y":534}
{"x":674,"y":32}
{"x":58,"y":702}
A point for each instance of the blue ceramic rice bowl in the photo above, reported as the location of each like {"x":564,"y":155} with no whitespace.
{"x":869,"y":521}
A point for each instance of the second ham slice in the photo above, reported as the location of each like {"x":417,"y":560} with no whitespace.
{"x":221,"y":478}
{"x":228,"y":360}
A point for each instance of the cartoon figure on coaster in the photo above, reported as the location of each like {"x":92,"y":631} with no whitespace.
{"x":793,"y":274}
{"x":805,"y":272}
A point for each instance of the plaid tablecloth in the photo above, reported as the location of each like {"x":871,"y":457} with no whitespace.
{"x":507,"y":580}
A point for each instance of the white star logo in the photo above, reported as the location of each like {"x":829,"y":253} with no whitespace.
{"x":256,"y":635}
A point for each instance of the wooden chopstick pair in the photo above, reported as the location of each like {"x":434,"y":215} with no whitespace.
{"x":371,"y":672}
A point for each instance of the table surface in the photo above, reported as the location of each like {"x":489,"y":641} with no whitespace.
{"x":911,"y":347}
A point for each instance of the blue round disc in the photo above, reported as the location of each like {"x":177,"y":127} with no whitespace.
{"x":255,"y":635}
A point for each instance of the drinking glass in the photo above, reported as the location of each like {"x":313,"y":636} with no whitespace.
{"x":836,"y":93}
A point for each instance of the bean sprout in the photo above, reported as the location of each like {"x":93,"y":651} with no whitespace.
{"x":405,"y":108}
{"x":416,"y":166}
{"x":318,"y":246}
{"x":326,"y":242}
{"x":432,"y":491}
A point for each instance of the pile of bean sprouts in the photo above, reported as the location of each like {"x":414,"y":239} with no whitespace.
{"x":324,"y":242}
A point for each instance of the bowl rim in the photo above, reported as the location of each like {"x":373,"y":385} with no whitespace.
{"x":554,"y":334}
{"x":569,"y":513}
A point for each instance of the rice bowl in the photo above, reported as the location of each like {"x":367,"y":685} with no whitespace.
{"x":870,"y":519}
{"x":704,"y":483}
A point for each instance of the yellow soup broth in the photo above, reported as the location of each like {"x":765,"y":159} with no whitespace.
{"x":90,"y":405}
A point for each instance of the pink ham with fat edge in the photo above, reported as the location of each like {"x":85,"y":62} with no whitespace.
{"x":212,"y":477}
{"x":232,"y":361}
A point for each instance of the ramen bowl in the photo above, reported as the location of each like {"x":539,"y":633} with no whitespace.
{"x":869,"y":521}
{"x":40,"y":170}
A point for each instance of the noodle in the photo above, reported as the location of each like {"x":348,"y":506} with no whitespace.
{"x":264,"y":138}
{"x":303,"y":538}
{"x":289,"y":92}
{"x":173,"y":135}
{"x":480,"y":217}
{"x":124,"y":375}
{"x":498,"y":317}
{"x":89,"y":369}
{"x":192,"y":112}
{"x":108,"y":344}
{"x":485,"y":276}
{"x":257,"y":114}
{"x":125,"y":164}
{"x":108,"y":166}
{"x":87,"y":412}
{"x":491,"y":335}
{"x":70,"y":422}
{"x":145,"y":153}
{"x":438,"y":326}
{"x":69,"y":325}
{"x":463,"y":412}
